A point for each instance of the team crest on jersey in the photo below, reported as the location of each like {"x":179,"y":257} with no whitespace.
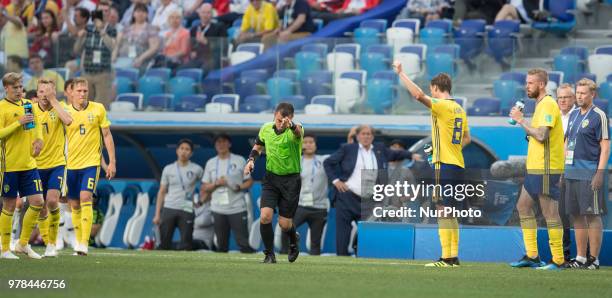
{"x":458,"y":111}
{"x":585,"y":123}
{"x":7,"y":188}
{"x":53,"y":116}
{"x":90,"y":117}
{"x":189,"y":174}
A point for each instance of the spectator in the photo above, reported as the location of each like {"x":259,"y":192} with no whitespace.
{"x":520,"y":10}
{"x":25,"y":10}
{"x":314,"y":202}
{"x":113,"y":18}
{"x":206,"y":41}
{"x":224,"y":185}
{"x":233,"y":10}
{"x":138,"y":43}
{"x":68,"y":37}
{"x":13,"y":36}
{"x":566,"y":99}
{"x":14,"y":64}
{"x":296,"y":23}
{"x":345,"y":169}
{"x":424,"y":10}
{"x":45,"y":36}
{"x":327,"y":10}
{"x":176,"y":50}
{"x":69,"y":9}
{"x":36,"y":68}
{"x":355,"y":7}
{"x":176,"y":191}
{"x":126,"y":20}
{"x":259,"y":19}
{"x":476,"y":9}
{"x":95,"y":45}
{"x":399,"y":172}
{"x":160,"y":19}
{"x":189,"y":8}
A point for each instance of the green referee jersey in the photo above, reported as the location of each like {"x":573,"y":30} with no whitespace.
{"x":283,"y":151}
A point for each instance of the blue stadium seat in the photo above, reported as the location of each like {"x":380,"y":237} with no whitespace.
{"x":384,"y":49}
{"x":135,"y":98}
{"x":563,"y":20}
{"x":586,"y":75}
{"x":195,"y":73}
{"x":161,"y":102}
{"x":502,"y":40}
{"x":319,"y":48}
{"x":529,"y":107}
{"x":582,"y":52}
{"x":419,"y":49}
{"x":351,"y":48}
{"x":359,"y":75}
{"x":451,"y":49}
{"x":124,"y":85}
{"x":379,"y":25}
{"x":181,"y":86}
{"x":230,"y":99}
{"x":412,"y":24}
{"x":246,"y":86}
{"x":319,"y":23}
{"x":162,"y":72}
{"x":62,"y":71}
{"x":470,"y":38}
{"x":307,"y":62}
{"x":445,"y":25}
{"x":374,"y":62}
{"x":380,"y":95}
{"x":386,"y":75}
{"x":438,"y":63}
{"x":328,"y":100}
{"x":148,"y":85}
{"x":278,"y":88}
{"x":255,"y":104}
{"x":556,"y":76}
{"x":604,"y":50}
{"x":103,"y":193}
{"x":570,"y":65}
{"x":291,"y":74}
{"x":258,"y":74}
{"x":191,"y":103}
{"x":605,"y":90}
{"x":298,"y":101}
{"x":508,"y":92}
{"x":130,"y":73}
{"x":516,"y":76}
{"x":609,"y":78}
{"x":130,"y":194}
{"x":317,"y":83}
{"x":484,"y":107}
{"x":253,"y":47}
{"x":433,"y":37}
{"x":366,"y":37}
{"x":602,"y":104}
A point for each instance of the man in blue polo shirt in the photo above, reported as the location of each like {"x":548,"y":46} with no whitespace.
{"x":587,"y":148}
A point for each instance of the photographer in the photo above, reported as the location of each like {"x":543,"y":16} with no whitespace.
{"x":95,"y":45}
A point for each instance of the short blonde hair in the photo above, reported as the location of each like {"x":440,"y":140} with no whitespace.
{"x":540,"y":73}
{"x":589,"y":83}
{"x":79,"y":81}
{"x":11,"y":78}
{"x":44,"y":81}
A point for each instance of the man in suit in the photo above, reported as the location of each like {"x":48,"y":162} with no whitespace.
{"x":206,"y":40}
{"x":345,"y":169}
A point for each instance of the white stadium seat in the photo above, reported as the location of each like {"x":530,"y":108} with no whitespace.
{"x":411,"y":64}
{"x":318,"y":109}
{"x":217,"y":107}
{"x":348,"y":94}
{"x":601,"y":66}
{"x":340,"y":62}
{"x":122,"y":106}
{"x":241,"y":56}
{"x":133,"y":229}
{"x":105,"y":236}
{"x":398,"y":37}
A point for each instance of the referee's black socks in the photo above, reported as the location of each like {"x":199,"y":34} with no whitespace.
{"x":292,"y":235}
{"x":267,"y":235}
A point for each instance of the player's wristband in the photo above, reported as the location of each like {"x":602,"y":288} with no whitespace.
{"x":254,"y":155}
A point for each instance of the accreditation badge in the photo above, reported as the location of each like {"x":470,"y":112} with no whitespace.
{"x":307,"y":199}
{"x":221,"y":196}
{"x":569,"y":153}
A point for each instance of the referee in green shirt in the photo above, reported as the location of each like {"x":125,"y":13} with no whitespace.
{"x":282,"y":182}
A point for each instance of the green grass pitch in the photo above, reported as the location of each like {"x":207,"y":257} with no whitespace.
{"x":125,"y":273}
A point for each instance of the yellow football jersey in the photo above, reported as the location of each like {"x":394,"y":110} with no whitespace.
{"x":17,"y":146}
{"x":448,"y":125}
{"x":54,"y":138}
{"x":546,"y":157}
{"x":85,"y":136}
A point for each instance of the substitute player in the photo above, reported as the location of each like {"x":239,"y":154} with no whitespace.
{"x":89,"y":127}
{"x":282,"y":182}
{"x":19,"y":176}
{"x":51,"y":162}
{"x":544,"y":168}
{"x":449,"y":133}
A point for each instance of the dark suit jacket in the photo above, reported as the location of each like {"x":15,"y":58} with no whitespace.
{"x":341,"y":164}
{"x":209,"y":54}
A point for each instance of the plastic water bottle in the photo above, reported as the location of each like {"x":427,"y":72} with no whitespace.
{"x":429,"y":152}
{"x":27,"y":107}
{"x":520,"y":105}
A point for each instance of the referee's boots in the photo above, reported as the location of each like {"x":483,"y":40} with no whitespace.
{"x":294,"y":249}
{"x":270,"y":258}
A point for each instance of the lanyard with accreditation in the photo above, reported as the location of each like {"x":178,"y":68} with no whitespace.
{"x":188,"y":195}
{"x":571,"y":143}
{"x":308,"y":195}
{"x":221,"y":195}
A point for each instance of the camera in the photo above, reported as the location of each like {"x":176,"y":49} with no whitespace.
{"x":97,"y":15}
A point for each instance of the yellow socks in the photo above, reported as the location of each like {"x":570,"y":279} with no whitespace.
{"x":555,"y":236}
{"x":445,"y":233}
{"x":86,"y":221}
{"x":43,"y":229}
{"x":29,"y":222}
{"x":454,"y":238}
{"x":54,"y":220}
{"x":6,"y":225}
{"x":76,"y":223}
{"x":530,"y":235}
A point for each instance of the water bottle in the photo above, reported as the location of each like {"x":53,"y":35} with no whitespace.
{"x":27,"y":107}
{"x":519,"y":105}
{"x":429,"y":152}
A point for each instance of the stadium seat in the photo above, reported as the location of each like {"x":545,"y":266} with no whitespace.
{"x":508,"y":92}
{"x":602,"y":104}
{"x":438,"y":63}
{"x":230,"y":99}
{"x":317,"y":109}
{"x":563,"y":19}
{"x":181,"y":86}
{"x":379,"y":24}
{"x":298,"y":101}
{"x":258,"y":74}
{"x":246,"y":86}
{"x":516,"y":76}
{"x":386,"y":75}
{"x":217,"y":108}
{"x":111,"y":218}
{"x":419,"y":49}
{"x":411,"y":64}
{"x":320,"y":48}
{"x":292,"y":74}
{"x":609,"y":79}
{"x":445,"y":25}
{"x":255,"y":104}
{"x":348,"y":94}
{"x":470,"y":39}
{"x":359,"y":75}
{"x":62,"y":71}
{"x":319,"y":24}
{"x":374,"y":62}
{"x":461,"y":100}
{"x":135,"y":98}
{"x":432,"y":37}
{"x":340,"y":62}
{"x":328,"y":100}
{"x":485,"y":107}
{"x":278,"y":88}
{"x":582,"y":52}
{"x":412,"y":24}
{"x":134,"y":226}
{"x":604,"y":50}
{"x":380,"y":94}
{"x":129,"y":73}
{"x":191,"y":103}
{"x":307,"y":62}
{"x":601,"y":66}
{"x":366,"y":37}
{"x":398,"y":37}
{"x":317,"y":83}
{"x":351,"y":48}
{"x":586,"y":75}
{"x":103,"y":194}
{"x":162,"y":72}
{"x":122,"y":106}
{"x":570,"y":65}
{"x":253,"y":47}
{"x":529,"y":107}
{"x":123,"y":85}
{"x":194,"y":73}
{"x":241,"y":57}
{"x":556,"y":76}
{"x":148,"y":85}
{"x":160,"y":102}
{"x":502,"y":40}
{"x":451,"y":49}
{"x":605,"y":90}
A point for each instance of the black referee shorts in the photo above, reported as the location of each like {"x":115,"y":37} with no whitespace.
{"x":282,"y":191}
